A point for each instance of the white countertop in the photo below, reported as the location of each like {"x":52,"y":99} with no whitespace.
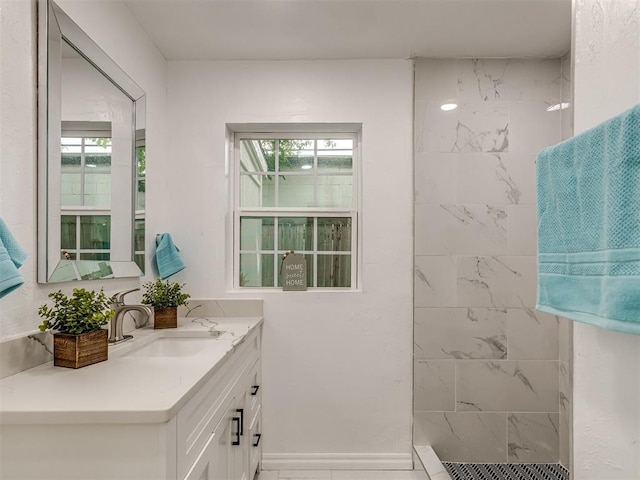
{"x":123,"y":389}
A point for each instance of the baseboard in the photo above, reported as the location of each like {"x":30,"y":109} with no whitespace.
{"x":337,"y":461}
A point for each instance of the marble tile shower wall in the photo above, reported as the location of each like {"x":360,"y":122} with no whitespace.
{"x":487,"y":364}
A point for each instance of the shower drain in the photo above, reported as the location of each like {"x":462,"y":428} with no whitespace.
{"x":503,"y":471}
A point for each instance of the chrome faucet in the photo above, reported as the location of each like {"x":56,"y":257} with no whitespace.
{"x":116,"y":335}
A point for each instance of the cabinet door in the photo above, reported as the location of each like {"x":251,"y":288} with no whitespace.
{"x":240,"y":446}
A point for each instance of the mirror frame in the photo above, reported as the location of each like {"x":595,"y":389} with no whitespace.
{"x":54,"y":27}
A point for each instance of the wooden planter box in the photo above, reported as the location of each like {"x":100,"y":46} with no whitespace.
{"x":75,"y":351}
{"x":165,"y":317}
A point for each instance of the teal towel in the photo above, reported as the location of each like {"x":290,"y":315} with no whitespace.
{"x":589,"y":225}
{"x":11,"y":258}
{"x":168,"y":259}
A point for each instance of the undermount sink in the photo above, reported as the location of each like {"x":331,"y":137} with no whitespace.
{"x":177,"y":347}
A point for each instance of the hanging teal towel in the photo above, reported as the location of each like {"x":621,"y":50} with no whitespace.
{"x":168,"y":259}
{"x":589,"y":226}
{"x":11,"y":258}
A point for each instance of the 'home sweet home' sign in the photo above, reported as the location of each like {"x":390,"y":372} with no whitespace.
{"x":294,"y":272}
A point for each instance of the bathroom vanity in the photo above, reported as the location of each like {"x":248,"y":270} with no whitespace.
{"x":169,"y":404}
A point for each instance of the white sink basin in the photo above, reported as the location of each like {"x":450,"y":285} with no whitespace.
{"x":177,"y":347}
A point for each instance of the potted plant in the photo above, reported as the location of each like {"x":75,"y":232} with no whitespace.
{"x":165,"y":298}
{"x":78,"y":339}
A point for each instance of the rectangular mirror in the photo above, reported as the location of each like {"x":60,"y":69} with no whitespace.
{"x":91,"y":156}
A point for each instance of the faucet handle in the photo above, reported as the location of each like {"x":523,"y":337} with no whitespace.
{"x":120,"y":295}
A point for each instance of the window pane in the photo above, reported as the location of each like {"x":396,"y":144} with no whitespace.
{"x":95,"y":232}
{"x":256,"y":270}
{"x":71,"y":141}
{"x":98,"y":160}
{"x":94,"y":256}
{"x":139,"y":259}
{"x":296,"y":155}
{"x":138,"y":235}
{"x":257,"y":190}
{"x":71,"y":189}
{"x":309,"y":258}
{"x":334,"y":270}
{"x":97,"y":189}
{"x":140,"y":194}
{"x":257,"y":155}
{"x":295,"y":191}
{"x":68,"y":232}
{"x":334,"y":234}
{"x":102,"y":142}
{"x":335,"y":191}
{"x":256,"y":233}
{"x":295,"y":233}
{"x":335,"y":155}
{"x":70,"y":160}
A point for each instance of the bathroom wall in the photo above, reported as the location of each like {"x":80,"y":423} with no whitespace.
{"x":123,"y":40}
{"x":487,"y":364}
{"x":606,"y":418}
{"x":336,"y":365}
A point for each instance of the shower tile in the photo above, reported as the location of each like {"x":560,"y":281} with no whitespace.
{"x":487,"y":178}
{"x":532,"y":335}
{"x":435,"y":178}
{"x":460,"y":333}
{"x":533,"y":438}
{"x":521,"y":229}
{"x":436,"y":79}
{"x":434,"y":385}
{"x":565,"y":335}
{"x":464,"y":436}
{"x":472,"y":127}
{"x":527,"y":117}
{"x":435,"y":281}
{"x":507,"y":386}
{"x":481,"y":79}
{"x":500,"y":281}
{"x":460,"y":229}
{"x":532,"y":80}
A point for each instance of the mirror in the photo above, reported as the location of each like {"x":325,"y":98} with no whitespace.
{"x":91,"y":158}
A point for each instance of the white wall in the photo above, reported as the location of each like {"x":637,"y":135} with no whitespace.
{"x":337,"y":366}
{"x":606,"y":422}
{"x":126,"y":43}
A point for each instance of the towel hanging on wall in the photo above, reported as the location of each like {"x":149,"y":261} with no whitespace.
{"x":11,"y":258}
{"x":588,"y":191}
{"x":168,"y":259}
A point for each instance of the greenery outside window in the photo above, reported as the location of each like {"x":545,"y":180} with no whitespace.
{"x":296,"y":192}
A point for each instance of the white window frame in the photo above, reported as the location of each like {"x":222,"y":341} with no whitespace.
{"x":306,"y":133}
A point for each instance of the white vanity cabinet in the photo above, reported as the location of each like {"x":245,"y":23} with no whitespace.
{"x":211,"y":435}
{"x":213,"y":429}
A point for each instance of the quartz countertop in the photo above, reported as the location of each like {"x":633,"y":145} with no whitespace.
{"x":125,"y":388}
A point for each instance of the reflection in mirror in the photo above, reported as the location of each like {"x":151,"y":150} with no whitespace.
{"x":92,"y":158}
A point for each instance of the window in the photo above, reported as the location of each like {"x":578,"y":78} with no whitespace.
{"x":296,"y":192}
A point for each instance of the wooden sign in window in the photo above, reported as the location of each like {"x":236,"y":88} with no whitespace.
{"x":294,"y":272}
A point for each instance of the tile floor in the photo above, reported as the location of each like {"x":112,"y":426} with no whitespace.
{"x":341,"y":475}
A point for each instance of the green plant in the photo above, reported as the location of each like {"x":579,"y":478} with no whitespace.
{"x":84,"y":312}
{"x":164,"y":294}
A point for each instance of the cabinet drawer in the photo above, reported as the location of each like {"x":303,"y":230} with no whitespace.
{"x":255,"y":436}
{"x":197,"y":419}
{"x":255,"y":389}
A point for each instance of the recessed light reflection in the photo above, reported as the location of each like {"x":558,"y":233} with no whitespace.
{"x":446,"y":107}
{"x":306,"y":167}
{"x":558,"y":106}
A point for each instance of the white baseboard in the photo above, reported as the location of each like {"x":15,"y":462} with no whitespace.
{"x":337,"y":461}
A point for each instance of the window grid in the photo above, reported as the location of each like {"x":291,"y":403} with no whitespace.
{"x":277,"y":212}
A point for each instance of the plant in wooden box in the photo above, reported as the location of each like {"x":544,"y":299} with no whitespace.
{"x":165,"y":298}
{"x":78,"y":339}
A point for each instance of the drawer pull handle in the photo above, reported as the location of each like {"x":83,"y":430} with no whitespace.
{"x":258,"y":436}
{"x":237,"y":434}
{"x":241,"y":412}
{"x":254,"y":390}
